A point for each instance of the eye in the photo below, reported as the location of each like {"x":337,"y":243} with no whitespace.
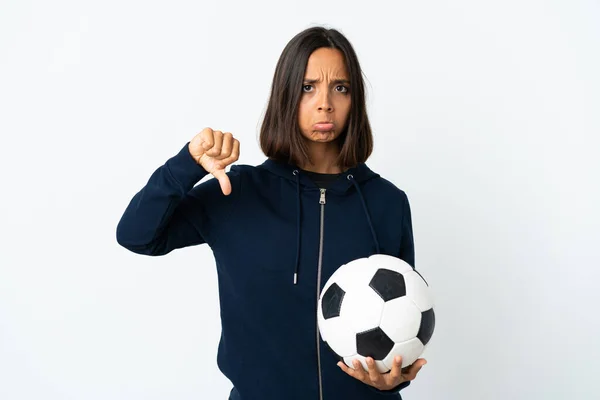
{"x":344,"y":89}
{"x":306,"y":86}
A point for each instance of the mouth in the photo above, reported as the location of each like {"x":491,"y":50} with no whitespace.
{"x":323,"y":126}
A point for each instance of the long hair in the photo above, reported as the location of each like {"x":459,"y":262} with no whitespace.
{"x":280,"y":135}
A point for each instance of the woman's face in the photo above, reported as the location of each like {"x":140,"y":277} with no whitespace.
{"x":325,"y":96}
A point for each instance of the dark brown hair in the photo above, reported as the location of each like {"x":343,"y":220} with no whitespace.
{"x":280,"y":135}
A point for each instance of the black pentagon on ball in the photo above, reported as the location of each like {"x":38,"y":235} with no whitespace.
{"x":374,"y":343}
{"x":388,"y":284}
{"x":427,"y":326}
{"x":332,"y":301}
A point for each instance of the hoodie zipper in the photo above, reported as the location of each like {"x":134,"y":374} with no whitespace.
{"x":321,"y":229}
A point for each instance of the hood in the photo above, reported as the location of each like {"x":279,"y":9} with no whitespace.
{"x":350,"y":179}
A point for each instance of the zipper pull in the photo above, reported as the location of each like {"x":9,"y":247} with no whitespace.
{"x":322,"y":200}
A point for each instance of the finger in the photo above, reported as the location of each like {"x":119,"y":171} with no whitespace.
{"x":344,"y":368}
{"x":224,"y":181}
{"x":235,"y":154}
{"x":412,"y":370}
{"x":215,"y":151}
{"x":415,"y":368}
{"x":207,"y":138}
{"x":226,"y":147}
{"x":396,"y":372}
{"x":348,"y":370}
{"x":375,"y":376}
{"x":359,"y":371}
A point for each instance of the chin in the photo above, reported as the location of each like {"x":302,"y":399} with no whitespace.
{"x":320,"y":136}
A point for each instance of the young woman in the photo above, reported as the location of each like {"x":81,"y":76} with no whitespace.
{"x":280,"y":229}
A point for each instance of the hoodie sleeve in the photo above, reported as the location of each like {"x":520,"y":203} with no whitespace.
{"x":407,"y":244}
{"x":407,"y":253}
{"x":170,"y":212}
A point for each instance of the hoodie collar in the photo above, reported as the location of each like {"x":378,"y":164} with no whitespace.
{"x":360,"y":173}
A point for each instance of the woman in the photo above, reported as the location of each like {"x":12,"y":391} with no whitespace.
{"x":280,"y":229}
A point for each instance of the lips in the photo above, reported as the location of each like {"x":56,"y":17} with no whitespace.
{"x":323,"y":126}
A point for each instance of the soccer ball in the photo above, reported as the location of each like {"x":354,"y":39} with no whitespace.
{"x":377,"y":307}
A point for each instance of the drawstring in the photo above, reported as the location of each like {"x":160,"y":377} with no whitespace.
{"x":351,"y":179}
{"x":298,"y":219}
{"x":297,"y":225}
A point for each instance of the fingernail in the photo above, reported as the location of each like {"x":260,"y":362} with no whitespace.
{"x":397,"y":359}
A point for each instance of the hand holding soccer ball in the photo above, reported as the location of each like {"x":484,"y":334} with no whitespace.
{"x":383,"y":381}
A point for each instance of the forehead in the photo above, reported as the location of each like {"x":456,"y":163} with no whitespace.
{"x":326,"y":61}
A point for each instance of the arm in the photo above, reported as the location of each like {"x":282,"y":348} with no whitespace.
{"x":407,"y":253}
{"x":372,"y":377}
{"x":169,"y":212}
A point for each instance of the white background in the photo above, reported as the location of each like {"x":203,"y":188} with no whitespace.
{"x":485,"y":113}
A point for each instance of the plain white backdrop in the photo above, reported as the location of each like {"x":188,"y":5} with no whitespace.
{"x":485,"y":113}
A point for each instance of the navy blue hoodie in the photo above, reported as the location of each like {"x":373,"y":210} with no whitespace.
{"x":276,"y":240}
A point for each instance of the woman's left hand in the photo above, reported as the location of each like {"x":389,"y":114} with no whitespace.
{"x":385,"y":381}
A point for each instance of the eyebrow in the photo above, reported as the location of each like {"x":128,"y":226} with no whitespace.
{"x":339,"y":80}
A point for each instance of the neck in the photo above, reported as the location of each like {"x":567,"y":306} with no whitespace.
{"x":324,"y":158}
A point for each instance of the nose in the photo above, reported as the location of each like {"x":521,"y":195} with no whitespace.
{"x":324,"y":102}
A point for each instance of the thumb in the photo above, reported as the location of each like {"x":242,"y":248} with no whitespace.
{"x":224,"y":181}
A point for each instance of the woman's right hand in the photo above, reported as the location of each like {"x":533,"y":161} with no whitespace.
{"x":214,"y":151}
